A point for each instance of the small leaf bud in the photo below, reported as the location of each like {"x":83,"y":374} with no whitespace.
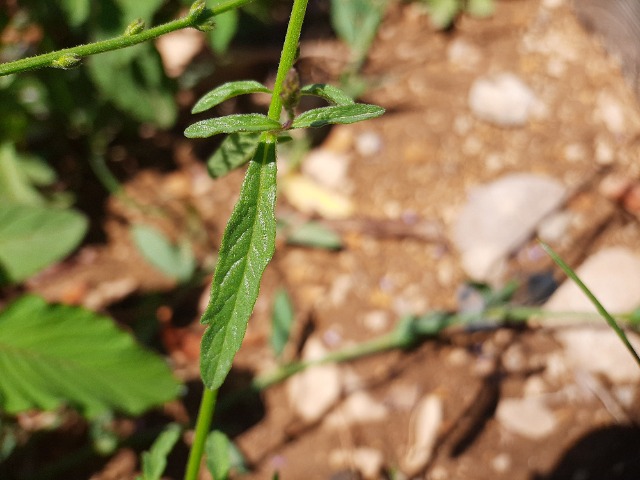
{"x":134,"y":27}
{"x":197,"y":8}
{"x":67,"y":61}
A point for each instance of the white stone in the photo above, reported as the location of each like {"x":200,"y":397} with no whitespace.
{"x":611,"y":112}
{"x":327,"y":168}
{"x":502,"y":99}
{"x":463,"y":54}
{"x":527,"y":417}
{"x":368,"y":143}
{"x":553,"y":228}
{"x":314,"y":391}
{"x":428,"y":418}
{"x":368,"y":461}
{"x":500,"y":216}
{"x":600,"y":351}
{"x":358,"y":408}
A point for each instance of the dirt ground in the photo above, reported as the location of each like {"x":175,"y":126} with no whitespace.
{"x":432,"y":150}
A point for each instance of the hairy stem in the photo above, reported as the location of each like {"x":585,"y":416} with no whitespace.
{"x":123,"y":41}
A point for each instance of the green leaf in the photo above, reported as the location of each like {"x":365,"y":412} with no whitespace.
{"x":314,"y":234}
{"x":31,"y":238}
{"x":319,"y":117}
{"x":226,"y":27}
{"x":227,"y":91}
{"x":76,"y":11}
{"x":443,"y":12}
{"x":154,"y":461}
{"x":328,"y":92}
{"x":281,"y":321}
{"x":16,"y":178}
{"x":247,"y":122}
{"x":247,"y":246}
{"x":56,"y":354}
{"x":356,"y":23}
{"x":222,"y":456}
{"x":233,"y":152}
{"x":176,"y":261}
{"x":480,"y":8}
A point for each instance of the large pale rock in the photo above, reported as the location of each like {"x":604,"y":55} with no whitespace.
{"x":528,"y":417}
{"x":613,"y":276}
{"x":502,"y":99}
{"x":313,"y":392}
{"x":500,"y":216}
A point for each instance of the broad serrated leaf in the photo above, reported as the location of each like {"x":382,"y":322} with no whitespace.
{"x":32,"y":238}
{"x":233,"y":152}
{"x":56,"y":354}
{"x":247,"y":122}
{"x":154,"y":461}
{"x":319,"y":117}
{"x":176,"y":261}
{"x":222,"y":456}
{"x":281,"y":321}
{"x":330,"y":93}
{"x":247,"y":246}
{"x":227,"y":91}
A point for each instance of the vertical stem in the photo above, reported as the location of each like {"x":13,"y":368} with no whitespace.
{"x":205,"y":416}
{"x":288,"y":55}
{"x":287,"y":58}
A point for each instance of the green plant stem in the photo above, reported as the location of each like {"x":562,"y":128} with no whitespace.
{"x":205,"y":416}
{"x":287,"y":58}
{"x":122,"y":41}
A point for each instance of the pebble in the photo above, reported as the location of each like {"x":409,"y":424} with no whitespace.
{"x":376,"y":321}
{"x":328,"y":168}
{"x":503,"y":100}
{"x":464,"y":54}
{"x":368,"y":461}
{"x":610,"y":112}
{"x":358,"y":408}
{"x":600,"y":351}
{"x":528,"y":417}
{"x":428,"y":417}
{"x":501,"y":215}
{"x":368,"y":144}
{"x":313,"y":392}
{"x":554,"y":228}
{"x":177,"y":49}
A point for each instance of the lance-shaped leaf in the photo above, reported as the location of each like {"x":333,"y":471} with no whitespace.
{"x":330,"y":93}
{"x":247,"y":246}
{"x":57,"y":354}
{"x":247,"y":122}
{"x":319,"y":117}
{"x":227,"y":91}
{"x":233,"y":152}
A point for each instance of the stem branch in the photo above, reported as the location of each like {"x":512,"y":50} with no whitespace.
{"x":123,"y":41}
